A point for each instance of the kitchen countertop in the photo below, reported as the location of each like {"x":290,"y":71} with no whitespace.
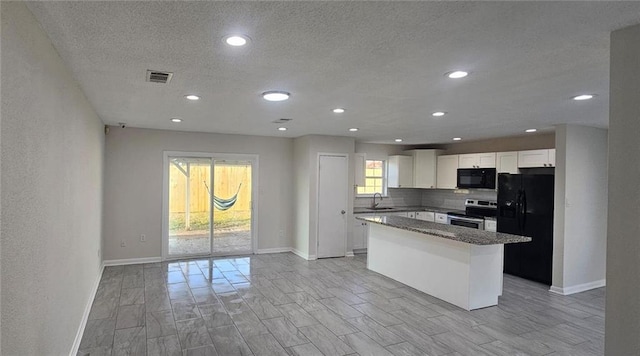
{"x":402,"y":209}
{"x":450,"y":232}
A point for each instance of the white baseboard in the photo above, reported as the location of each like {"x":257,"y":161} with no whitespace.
{"x":304,"y":255}
{"x":85,"y":315}
{"x":578,"y":288}
{"x":300,"y":253}
{"x":273,"y":250}
{"x":132,"y":261}
{"x":349,"y":254}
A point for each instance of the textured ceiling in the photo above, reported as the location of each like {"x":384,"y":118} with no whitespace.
{"x":382,"y":61}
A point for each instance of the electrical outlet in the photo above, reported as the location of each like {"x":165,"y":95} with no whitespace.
{"x":143,"y":237}
{"x":123,"y":243}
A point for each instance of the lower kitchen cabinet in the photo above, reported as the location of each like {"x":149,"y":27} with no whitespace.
{"x":403,"y":213}
{"x":441,"y":218}
{"x":425,"y":215}
{"x":360,"y":233}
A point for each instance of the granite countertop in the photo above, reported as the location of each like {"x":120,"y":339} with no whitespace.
{"x":401,"y":209}
{"x":450,"y":232}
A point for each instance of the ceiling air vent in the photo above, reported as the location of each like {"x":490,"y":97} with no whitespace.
{"x":156,"y":76}
{"x":281,"y":121}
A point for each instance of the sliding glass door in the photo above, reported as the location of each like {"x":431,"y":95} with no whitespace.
{"x":232,"y":207}
{"x":189,"y":206}
{"x":201,"y":189}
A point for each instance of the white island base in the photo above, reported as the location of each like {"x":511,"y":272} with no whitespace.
{"x":463,"y":274}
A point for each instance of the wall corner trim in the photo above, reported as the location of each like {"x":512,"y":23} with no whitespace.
{"x":132,"y":261}
{"x":273,"y":250}
{"x":304,"y":255}
{"x":578,"y":288}
{"x":85,"y":315}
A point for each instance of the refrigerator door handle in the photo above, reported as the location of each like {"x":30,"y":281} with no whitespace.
{"x":518,"y":205}
{"x":524,"y":210}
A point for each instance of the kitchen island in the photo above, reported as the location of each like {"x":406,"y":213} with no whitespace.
{"x":459,"y":265}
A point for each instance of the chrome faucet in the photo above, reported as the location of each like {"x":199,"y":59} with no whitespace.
{"x":374,"y":205}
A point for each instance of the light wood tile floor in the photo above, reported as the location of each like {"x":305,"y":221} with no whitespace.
{"x":280,"y":304}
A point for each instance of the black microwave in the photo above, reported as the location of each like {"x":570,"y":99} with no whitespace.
{"x":479,"y":178}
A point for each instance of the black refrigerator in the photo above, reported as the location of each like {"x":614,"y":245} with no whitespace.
{"x":525,"y":207}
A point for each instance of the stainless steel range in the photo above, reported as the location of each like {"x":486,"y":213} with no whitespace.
{"x":474,"y":215}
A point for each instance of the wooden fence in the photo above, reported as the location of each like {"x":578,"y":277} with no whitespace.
{"x":226,"y":178}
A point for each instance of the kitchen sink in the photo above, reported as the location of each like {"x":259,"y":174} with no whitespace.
{"x":376,"y":208}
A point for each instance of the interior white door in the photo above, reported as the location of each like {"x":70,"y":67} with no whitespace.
{"x":333,"y":195}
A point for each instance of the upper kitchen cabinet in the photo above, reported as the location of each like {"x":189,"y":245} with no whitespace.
{"x":552,"y":157}
{"x":400,"y":173}
{"x":360,"y":166}
{"x":447,"y":173}
{"x":507,"y":162}
{"x":425,"y":164}
{"x":537,"y":158}
{"x":477,"y":160}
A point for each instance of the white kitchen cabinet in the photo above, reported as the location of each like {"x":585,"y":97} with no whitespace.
{"x":400,"y":173}
{"x":477,"y":160}
{"x":507,"y":162}
{"x":403,"y":214}
{"x":441,"y":218}
{"x":360,"y":163}
{"x":360,"y":232}
{"x":552,"y":157}
{"x":536,"y":158}
{"x":425,"y":164}
{"x":447,"y":172}
{"x":426,"y":215}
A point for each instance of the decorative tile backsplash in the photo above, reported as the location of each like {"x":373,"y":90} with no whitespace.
{"x":443,"y":198}
{"x":395,"y":197}
{"x":446,"y":198}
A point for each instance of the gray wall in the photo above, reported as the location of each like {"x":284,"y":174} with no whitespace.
{"x":306,"y":160}
{"x":502,"y":144}
{"x":133,"y":186}
{"x":379,"y":151}
{"x":623,"y":242}
{"x":52,"y":169}
{"x":580,"y":224}
{"x":301,"y":162}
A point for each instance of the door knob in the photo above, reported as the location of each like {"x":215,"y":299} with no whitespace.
{"x":343,"y":212}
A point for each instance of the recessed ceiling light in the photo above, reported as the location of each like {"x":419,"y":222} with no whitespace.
{"x":457,"y":138}
{"x":282,"y":129}
{"x":338,"y":110}
{"x":353,"y":129}
{"x":192,"y":97}
{"x":236,"y":40}
{"x":457,"y":74}
{"x":176,"y":119}
{"x":398,"y":140}
{"x":584,"y":97}
{"x":530,"y":130}
{"x":438,"y":113}
{"x":275,"y":95}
